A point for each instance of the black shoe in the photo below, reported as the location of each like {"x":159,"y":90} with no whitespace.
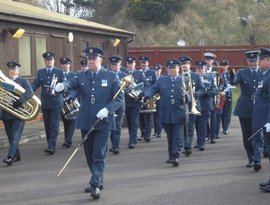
{"x":175,"y":162}
{"x":225,"y":132}
{"x":111,"y":150}
{"x":155,"y":134}
{"x":196,"y":146}
{"x":188,"y":152}
{"x":147,"y":140}
{"x":90,"y":189}
{"x":115,"y":151}
{"x":250,"y":164}
{"x":159,"y":136}
{"x":95,"y":193}
{"x":8,"y":161}
{"x":66,"y":144}
{"x":49,"y":151}
{"x":266,"y":188}
{"x":201,"y":148}
{"x":140,"y":139}
{"x":217,"y":137}
{"x":16,"y":159}
{"x":265,"y":184}
{"x":212,"y":141}
{"x":257,"y":166}
{"x":131,"y":146}
{"x":169,"y":161}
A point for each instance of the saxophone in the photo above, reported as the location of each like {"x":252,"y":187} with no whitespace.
{"x":10,"y":92}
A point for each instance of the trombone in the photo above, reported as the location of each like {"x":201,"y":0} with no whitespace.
{"x":190,"y":88}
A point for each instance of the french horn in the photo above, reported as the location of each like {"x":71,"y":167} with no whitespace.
{"x":10,"y":92}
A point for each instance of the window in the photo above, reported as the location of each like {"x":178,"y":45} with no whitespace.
{"x":25,"y":55}
{"x":40,"y":49}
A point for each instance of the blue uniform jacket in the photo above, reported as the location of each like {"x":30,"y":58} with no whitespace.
{"x":261,"y":109}
{"x":248,"y":86}
{"x":44,"y":80}
{"x":23,"y":98}
{"x":210,"y":91}
{"x":96,"y":94}
{"x":138,"y":77}
{"x":150,"y":76}
{"x":172,"y":107}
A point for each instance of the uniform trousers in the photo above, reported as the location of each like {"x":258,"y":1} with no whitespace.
{"x":51,"y":122}
{"x":69,"y":128}
{"x":246,"y":124}
{"x":204,"y":118}
{"x":226,"y":114}
{"x":188,"y":139}
{"x":132,"y":117}
{"x":14,"y":130}
{"x":267,"y":143}
{"x":146,"y":125}
{"x":115,"y":135}
{"x":96,"y":149}
{"x":258,"y":144}
{"x":174,"y":134}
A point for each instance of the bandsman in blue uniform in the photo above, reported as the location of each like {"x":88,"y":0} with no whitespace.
{"x":206,"y":102}
{"x":224,"y":108}
{"x":261,"y":110}
{"x":172,"y":108}
{"x":248,"y":79}
{"x":209,"y":58}
{"x":70,"y":97}
{"x":146,"y":117}
{"x":14,"y":126}
{"x":83,"y":63}
{"x":51,"y":102}
{"x":133,"y":105}
{"x":97,"y":87}
{"x":156,"y":115}
{"x":195,"y":88}
{"x":115,"y":66}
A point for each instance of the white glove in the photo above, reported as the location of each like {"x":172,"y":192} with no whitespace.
{"x":103,"y":113}
{"x":267,"y":127}
{"x":59,"y":87}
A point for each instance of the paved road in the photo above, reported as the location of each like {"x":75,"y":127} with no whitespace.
{"x":217,"y":176}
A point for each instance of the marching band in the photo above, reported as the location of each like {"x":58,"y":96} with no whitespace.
{"x":180,"y":100}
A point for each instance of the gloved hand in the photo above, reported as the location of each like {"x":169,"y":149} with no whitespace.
{"x":59,"y":87}
{"x":16,"y":104}
{"x":103,"y":113}
{"x":267,"y":127}
{"x":146,"y":98}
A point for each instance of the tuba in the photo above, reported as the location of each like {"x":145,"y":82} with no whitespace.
{"x":11,"y":91}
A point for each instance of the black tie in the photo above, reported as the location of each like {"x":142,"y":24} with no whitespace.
{"x":48,"y":71}
{"x":254,"y":73}
{"x":93,"y":75}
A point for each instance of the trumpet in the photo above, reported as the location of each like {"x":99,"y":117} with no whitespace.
{"x":53,"y":84}
{"x":190,"y":88}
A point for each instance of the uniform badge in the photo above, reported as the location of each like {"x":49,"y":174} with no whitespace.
{"x":104,"y":83}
